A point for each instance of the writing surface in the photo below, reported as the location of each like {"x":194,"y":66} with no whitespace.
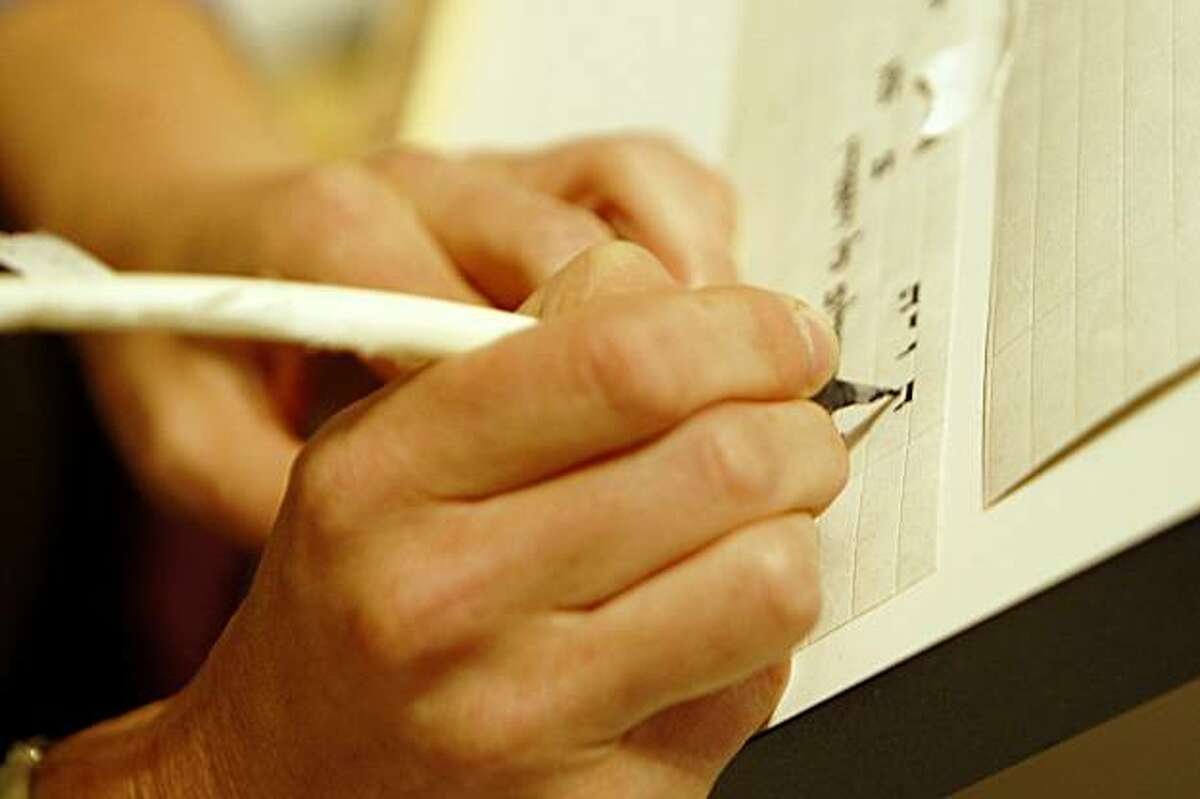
{"x":1095,"y":282}
{"x":851,"y":205}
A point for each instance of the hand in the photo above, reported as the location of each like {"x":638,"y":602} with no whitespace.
{"x":488,"y":227}
{"x":644,"y":187}
{"x":202,"y":425}
{"x":570,"y":564}
{"x":197,"y":425}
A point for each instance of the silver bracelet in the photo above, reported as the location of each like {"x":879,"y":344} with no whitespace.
{"x":16,"y":775}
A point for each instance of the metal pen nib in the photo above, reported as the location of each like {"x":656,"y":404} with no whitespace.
{"x":839,"y":394}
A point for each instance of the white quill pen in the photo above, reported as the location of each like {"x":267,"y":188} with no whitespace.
{"x":61,"y":288}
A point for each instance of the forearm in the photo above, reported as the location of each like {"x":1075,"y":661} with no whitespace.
{"x":106,"y":106}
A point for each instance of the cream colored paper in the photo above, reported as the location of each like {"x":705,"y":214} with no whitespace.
{"x":1132,"y":479}
{"x":1096,"y":296}
{"x":850,"y":203}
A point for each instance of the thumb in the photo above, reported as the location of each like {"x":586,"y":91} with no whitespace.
{"x":609,"y":269}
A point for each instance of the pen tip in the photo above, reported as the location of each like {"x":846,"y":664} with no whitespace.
{"x":838,"y":394}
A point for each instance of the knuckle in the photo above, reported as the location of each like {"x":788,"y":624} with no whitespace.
{"x":584,"y":229}
{"x":761,"y":692}
{"x":408,"y":164}
{"x":336,"y":192}
{"x":736,"y":455}
{"x":563,"y":229}
{"x":772,"y":681}
{"x":397,"y":623}
{"x":632,"y":153}
{"x":615,"y":257}
{"x":575,"y":224}
{"x":510,"y":740}
{"x":449,"y":610}
{"x":320,"y":214}
{"x":508,"y":735}
{"x":368,"y":629}
{"x":617,"y":266}
{"x":624,"y":154}
{"x":317,"y":482}
{"x":604,"y":270}
{"x":638,"y":148}
{"x":402,"y":608}
{"x":784,"y":571}
{"x":616,"y":365}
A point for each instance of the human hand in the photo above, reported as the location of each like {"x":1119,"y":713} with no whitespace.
{"x":571,"y":563}
{"x":645,"y":188}
{"x":197,"y":425}
{"x":201,"y":425}
{"x":489,"y":227}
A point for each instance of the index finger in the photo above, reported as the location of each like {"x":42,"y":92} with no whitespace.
{"x":593,"y":382}
{"x":650,"y":192}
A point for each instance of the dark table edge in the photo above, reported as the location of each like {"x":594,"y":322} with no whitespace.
{"x":1077,"y":654}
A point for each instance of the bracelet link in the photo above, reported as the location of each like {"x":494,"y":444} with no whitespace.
{"x":16,"y":775}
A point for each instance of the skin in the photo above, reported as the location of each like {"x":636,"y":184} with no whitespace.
{"x":188,"y":172}
{"x":484,"y":581}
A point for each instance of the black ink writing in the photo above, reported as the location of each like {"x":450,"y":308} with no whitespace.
{"x":891,"y":81}
{"x":836,"y":302}
{"x":845,"y":195}
{"x":906,"y":395}
{"x":844,"y":251}
{"x":883,"y":164}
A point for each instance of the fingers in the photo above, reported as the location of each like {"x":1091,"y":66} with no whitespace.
{"x":342,"y":224}
{"x":709,"y":622}
{"x":506,"y":238}
{"x":593,"y":382}
{"x":702,"y":735}
{"x":598,"y":272}
{"x":650,"y":192}
{"x":726,"y":467}
{"x":194,"y":423}
{"x":337,"y":224}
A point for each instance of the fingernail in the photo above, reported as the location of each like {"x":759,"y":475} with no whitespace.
{"x":820,"y":340}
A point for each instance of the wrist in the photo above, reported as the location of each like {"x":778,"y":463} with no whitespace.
{"x":201,"y":743}
{"x":161,"y":751}
{"x":124,"y":757}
